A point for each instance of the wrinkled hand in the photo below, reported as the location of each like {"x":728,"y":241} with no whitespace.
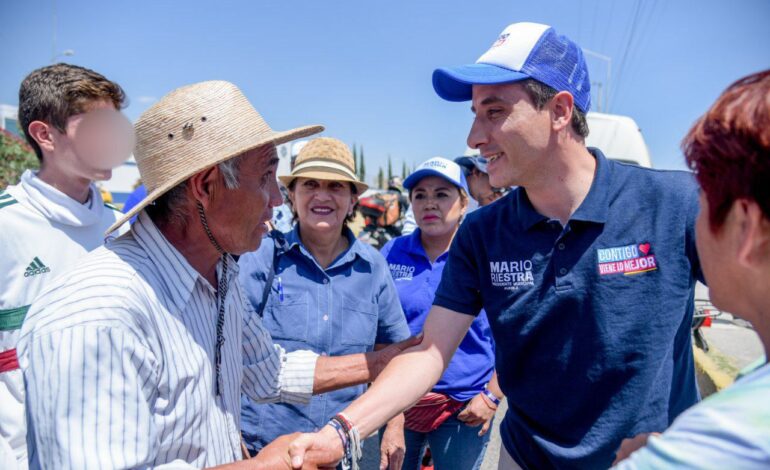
{"x":386,"y":354}
{"x":275,"y":456}
{"x":630,"y":445}
{"x":478,"y":412}
{"x":322,"y":448}
{"x":393,"y":445}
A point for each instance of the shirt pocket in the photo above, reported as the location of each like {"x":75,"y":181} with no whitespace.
{"x":359,"y":322}
{"x":287,"y":319}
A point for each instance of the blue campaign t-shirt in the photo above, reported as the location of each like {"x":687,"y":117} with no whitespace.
{"x":346,"y":308}
{"x":591,"y":320}
{"x":416,"y":280}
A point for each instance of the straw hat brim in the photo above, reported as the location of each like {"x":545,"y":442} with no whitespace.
{"x":276,"y":138}
{"x":327,"y":175}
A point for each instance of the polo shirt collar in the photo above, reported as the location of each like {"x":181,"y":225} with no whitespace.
{"x":525,"y":211}
{"x":413,"y":246}
{"x":595,"y":206}
{"x":171,"y":264}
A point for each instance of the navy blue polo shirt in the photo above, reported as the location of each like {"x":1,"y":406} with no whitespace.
{"x":416,"y":280}
{"x":591,"y":320}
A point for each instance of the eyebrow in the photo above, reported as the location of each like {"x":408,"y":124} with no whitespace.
{"x":486,"y":101}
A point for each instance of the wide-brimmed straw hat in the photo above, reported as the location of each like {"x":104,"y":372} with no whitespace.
{"x":194,"y":128}
{"x":325,"y":158}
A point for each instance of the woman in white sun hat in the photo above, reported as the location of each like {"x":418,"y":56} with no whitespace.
{"x":319,"y":288}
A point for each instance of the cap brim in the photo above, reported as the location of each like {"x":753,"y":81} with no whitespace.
{"x":276,"y":138}
{"x":411,"y":181}
{"x":456,"y":83}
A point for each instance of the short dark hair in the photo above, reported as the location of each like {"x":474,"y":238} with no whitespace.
{"x":540,"y":94}
{"x":54,"y":93}
{"x":729,"y":148}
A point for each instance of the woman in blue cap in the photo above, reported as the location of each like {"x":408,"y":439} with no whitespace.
{"x":466,"y":397}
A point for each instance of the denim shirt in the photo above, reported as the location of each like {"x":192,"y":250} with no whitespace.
{"x":346,"y":308}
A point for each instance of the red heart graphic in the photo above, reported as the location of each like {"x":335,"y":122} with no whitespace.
{"x":644,"y":248}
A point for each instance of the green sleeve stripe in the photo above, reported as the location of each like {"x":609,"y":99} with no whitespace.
{"x":13,"y":318}
{"x":5,"y":195}
{"x":7,"y":202}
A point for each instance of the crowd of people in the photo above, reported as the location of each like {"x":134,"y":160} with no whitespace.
{"x":201,"y":336}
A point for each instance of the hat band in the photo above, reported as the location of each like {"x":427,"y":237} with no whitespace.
{"x":326,"y":165}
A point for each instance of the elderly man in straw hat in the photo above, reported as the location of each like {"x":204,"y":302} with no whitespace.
{"x":139,"y":356}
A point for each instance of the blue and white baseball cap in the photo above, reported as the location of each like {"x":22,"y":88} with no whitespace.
{"x":522,"y":51}
{"x":440,"y":167}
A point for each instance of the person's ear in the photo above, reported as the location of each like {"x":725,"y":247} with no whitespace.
{"x":753,"y":231}
{"x":203,"y":185}
{"x":42,"y":134}
{"x":353,"y":200}
{"x":562,"y":105}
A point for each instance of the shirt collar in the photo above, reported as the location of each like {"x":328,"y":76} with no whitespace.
{"x":171,"y":263}
{"x":593,"y":208}
{"x":355,"y":247}
{"x":595,"y":205}
{"x":414,"y":246}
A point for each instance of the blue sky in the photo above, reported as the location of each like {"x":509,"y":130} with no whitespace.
{"x":363,"y":68}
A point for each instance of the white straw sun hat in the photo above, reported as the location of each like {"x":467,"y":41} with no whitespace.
{"x":194,"y":128}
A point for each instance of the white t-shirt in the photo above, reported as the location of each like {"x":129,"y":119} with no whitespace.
{"x":728,"y":430}
{"x":44,"y":233}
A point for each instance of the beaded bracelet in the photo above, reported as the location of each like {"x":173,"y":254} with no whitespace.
{"x":491,"y":396}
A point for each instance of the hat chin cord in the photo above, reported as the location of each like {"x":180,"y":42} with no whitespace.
{"x":208,"y":230}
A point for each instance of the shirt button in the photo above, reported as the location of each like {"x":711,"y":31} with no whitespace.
{"x":562,"y":246}
{"x":326,"y":281}
{"x":563,"y":271}
{"x":326,"y":317}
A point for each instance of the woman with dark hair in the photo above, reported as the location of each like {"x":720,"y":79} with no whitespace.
{"x":729,"y":150}
{"x":466,"y":397}
{"x":318,"y":288}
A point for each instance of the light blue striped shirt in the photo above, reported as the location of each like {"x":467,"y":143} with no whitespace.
{"x":118,"y":361}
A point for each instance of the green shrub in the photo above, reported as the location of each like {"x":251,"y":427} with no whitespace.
{"x":15,"y":157}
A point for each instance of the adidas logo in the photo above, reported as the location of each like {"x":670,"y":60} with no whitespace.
{"x":36,"y":267}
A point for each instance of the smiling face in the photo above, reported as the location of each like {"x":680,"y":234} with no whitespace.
{"x":438,"y":206}
{"x":510,"y":132}
{"x":321,"y":205}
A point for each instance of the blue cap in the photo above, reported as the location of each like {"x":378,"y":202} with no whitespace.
{"x":441,"y":167}
{"x":522,"y":51}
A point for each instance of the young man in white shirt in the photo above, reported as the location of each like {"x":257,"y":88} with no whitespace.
{"x":53,"y":216}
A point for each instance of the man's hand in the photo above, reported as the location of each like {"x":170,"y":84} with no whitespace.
{"x":275,"y":456}
{"x":629,"y":446}
{"x":479,"y":411}
{"x":382,"y":357}
{"x":393,"y":446}
{"x":323,"y":448}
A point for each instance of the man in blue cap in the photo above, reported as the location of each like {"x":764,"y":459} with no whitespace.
{"x":586,"y":271}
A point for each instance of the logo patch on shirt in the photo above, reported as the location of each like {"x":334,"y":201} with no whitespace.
{"x":36,"y":267}
{"x":511,"y":275}
{"x":627,"y":260}
{"x":401,"y":272}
